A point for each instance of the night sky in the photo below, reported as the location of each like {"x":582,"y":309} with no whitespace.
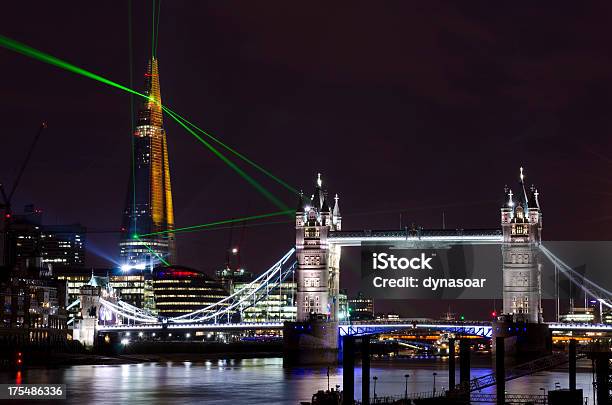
{"x":404,"y":107}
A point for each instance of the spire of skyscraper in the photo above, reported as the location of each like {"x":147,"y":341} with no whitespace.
{"x":151,"y":111}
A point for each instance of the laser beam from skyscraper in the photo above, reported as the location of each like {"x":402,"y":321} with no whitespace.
{"x":233,"y":165}
{"x":222,"y":222}
{"x":235,"y":152}
{"x":131,"y":76}
{"x":161,"y":259}
{"x":156,"y":26}
{"x":28,"y":51}
{"x":252,"y":225}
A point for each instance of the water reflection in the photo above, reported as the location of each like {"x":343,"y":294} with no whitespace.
{"x":254,"y":381}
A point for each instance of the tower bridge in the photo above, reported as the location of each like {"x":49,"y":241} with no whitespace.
{"x":315,"y":264}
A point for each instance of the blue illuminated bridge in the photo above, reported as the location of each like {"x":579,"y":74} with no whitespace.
{"x":482,"y":329}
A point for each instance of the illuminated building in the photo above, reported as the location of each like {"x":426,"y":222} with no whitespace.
{"x":149,"y":199}
{"x":343,"y":307}
{"x":131,"y":287}
{"x":46,"y":246}
{"x":277,"y":306}
{"x":361,"y":307}
{"x":63,"y":245}
{"x":607,"y":317}
{"x":26,"y":229}
{"x":32,"y":312}
{"x":579,"y":315}
{"x":179,"y":290}
{"x":229,"y":277}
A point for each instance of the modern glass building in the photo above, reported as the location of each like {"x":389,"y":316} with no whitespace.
{"x":63,"y":245}
{"x":277,"y":306}
{"x":361,"y":307}
{"x":148,"y":208}
{"x":179,"y":290}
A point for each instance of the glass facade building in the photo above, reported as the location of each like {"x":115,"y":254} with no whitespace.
{"x":179,"y":290}
{"x":277,"y":306}
{"x":361,"y":308}
{"x":63,"y":245}
{"x":148,"y":207}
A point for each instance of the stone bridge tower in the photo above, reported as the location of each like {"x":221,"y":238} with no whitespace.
{"x":521,"y":323}
{"x":521,"y":221}
{"x":318,"y":262}
{"x":314,"y":337}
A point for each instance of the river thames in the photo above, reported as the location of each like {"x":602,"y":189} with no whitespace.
{"x":256,"y":381}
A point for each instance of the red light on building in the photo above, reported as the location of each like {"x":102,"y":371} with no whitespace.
{"x":7,"y":216}
{"x":493,"y":314}
{"x":184,"y":273}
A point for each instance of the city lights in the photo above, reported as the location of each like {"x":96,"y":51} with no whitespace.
{"x":422,"y":118}
{"x":128,"y":267}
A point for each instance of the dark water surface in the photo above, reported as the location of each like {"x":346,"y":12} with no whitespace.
{"x":253,"y":381}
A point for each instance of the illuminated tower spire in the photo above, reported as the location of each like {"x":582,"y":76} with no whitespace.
{"x":148,"y":218}
{"x":151,"y":111}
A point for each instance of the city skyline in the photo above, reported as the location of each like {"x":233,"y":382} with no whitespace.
{"x":539,"y":124}
{"x":360,"y":203}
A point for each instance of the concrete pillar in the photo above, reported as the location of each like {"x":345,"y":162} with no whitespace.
{"x":348,"y":370}
{"x":451,"y":364}
{"x":365,"y":371}
{"x":572,"y":365}
{"x":500,"y":370}
{"x":464,"y":362}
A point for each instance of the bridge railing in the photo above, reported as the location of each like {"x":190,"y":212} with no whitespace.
{"x":237,"y":296}
{"x":521,"y":370}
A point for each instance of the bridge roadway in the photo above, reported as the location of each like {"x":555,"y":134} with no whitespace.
{"x":482,"y":329}
{"x":467,"y":236}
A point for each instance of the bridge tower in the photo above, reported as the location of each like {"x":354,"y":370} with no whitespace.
{"x":314,"y":337}
{"x":522,"y":318}
{"x":521,"y":221}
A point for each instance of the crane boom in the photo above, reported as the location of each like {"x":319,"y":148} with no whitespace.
{"x":42,"y":127}
{"x":8,"y":254}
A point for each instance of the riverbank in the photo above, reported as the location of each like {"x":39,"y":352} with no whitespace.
{"x":142,"y":353}
{"x":63,"y":359}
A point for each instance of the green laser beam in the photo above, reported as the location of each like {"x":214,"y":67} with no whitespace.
{"x":52,"y":60}
{"x":44,"y":57}
{"x":131,"y":63}
{"x":222,"y":222}
{"x":233,"y":165}
{"x":153,"y":31}
{"x":220,"y":228}
{"x":157,"y":26}
{"x":161,"y":259}
{"x":235,"y":152}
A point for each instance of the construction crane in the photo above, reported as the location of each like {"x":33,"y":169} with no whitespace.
{"x":8,"y":256}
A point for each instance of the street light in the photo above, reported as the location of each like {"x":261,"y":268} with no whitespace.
{"x":406,"y":376}
{"x":434,"y":382}
{"x":375,"y":379}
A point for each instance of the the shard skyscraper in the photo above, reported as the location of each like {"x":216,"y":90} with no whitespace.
{"x":148,"y":208}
